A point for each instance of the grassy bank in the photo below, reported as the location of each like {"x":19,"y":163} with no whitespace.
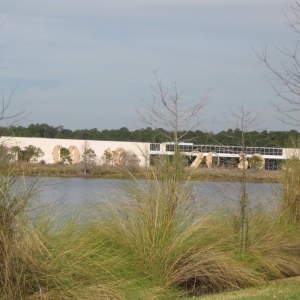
{"x":283,"y":289}
{"x":141,"y":250}
{"x":202,"y":174}
{"x":105,"y":260}
{"x":155,"y":245}
{"x":235,"y":175}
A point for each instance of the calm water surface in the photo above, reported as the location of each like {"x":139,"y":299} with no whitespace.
{"x":70,"y":194}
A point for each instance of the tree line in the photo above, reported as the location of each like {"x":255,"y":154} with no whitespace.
{"x":158,"y":135}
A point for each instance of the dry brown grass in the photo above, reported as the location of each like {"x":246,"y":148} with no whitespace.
{"x":205,"y":174}
{"x":234,"y":175}
{"x":290,"y":204}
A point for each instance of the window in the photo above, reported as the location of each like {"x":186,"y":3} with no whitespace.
{"x":155,"y":147}
{"x":170,"y":148}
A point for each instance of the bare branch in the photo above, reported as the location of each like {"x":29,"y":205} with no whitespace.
{"x":169,"y":111}
{"x":11,"y":119}
{"x":286,"y":83}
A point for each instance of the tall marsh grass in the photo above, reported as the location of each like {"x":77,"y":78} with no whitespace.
{"x":160,"y":226}
{"x":156,"y":244}
{"x":290,"y":204}
{"x":46,"y":256}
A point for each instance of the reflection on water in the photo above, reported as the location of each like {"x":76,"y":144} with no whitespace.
{"x":227,"y":194}
{"x":70,"y":194}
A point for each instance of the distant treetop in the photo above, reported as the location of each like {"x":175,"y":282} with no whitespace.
{"x":253,"y":138}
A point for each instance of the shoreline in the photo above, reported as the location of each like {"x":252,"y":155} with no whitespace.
{"x":109,"y":172}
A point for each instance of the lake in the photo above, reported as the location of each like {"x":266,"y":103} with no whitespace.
{"x":70,"y":194}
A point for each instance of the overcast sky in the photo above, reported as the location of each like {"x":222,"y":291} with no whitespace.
{"x":88,"y":64}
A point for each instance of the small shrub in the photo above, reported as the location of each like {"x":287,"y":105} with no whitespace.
{"x":65,"y":156}
{"x":255,"y":162}
{"x":131,"y":162}
{"x":232,"y":163}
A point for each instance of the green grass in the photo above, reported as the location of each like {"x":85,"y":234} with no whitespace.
{"x":284,"y":289}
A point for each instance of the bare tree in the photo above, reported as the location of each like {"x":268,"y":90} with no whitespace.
{"x":286,"y":83}
{"x":176,"y":118}
{"x":245,"y":121}
{"x":11,"y":119}
{"x":169,"y":111}
{"x":14,"y":200}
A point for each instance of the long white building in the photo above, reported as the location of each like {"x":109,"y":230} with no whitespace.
{"x":145,"y":151}
{"x":51,"y":148}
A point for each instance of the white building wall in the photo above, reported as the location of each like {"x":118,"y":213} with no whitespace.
{"x":47,"y":146}
{"x":290,"y":152}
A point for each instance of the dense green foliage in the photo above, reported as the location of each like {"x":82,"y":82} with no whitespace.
{"x":65,"y":155}
{"x":29,"y":153}
{"x":229,"y":137}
